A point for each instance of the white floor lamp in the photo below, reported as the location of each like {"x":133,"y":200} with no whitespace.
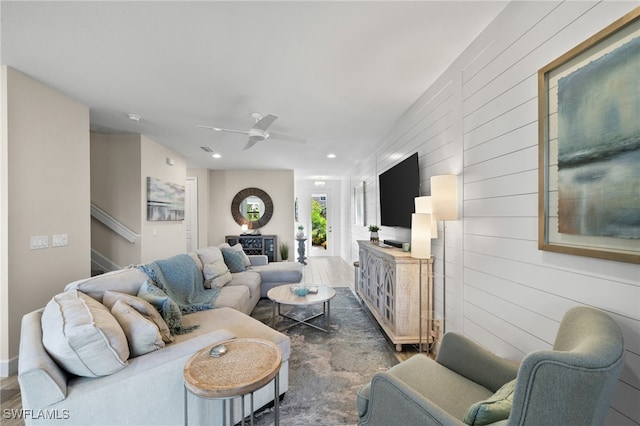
{"x":420,"y":249}
{"x":444,"y":198}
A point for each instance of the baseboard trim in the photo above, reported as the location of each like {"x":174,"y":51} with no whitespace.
{"x":9,"y":367}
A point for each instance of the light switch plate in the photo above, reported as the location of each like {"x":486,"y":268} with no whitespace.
{"x":59,"y":240}
{"x":39,"y":242}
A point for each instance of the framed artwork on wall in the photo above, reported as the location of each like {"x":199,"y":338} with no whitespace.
{"x":165,"y":200}
{"x":589,"y":146}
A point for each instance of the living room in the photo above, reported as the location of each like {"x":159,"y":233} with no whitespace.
{"x":477,"y":120}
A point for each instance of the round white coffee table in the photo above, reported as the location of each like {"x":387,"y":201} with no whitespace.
{"x":284,"y":295}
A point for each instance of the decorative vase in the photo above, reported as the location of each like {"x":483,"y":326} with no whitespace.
{"x":300,"y":235}
{"x":374,"y":237}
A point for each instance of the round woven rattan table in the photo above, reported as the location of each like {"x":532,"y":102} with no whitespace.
{"x":248,"y":365}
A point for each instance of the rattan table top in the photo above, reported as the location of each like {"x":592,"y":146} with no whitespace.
{"x":248,"y":365}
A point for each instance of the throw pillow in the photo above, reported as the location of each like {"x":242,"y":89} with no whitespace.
{"x":216,"y":275}
{"x":493,"y":409}
{"x":142,"y":334}
{"x":234,"y":260}
{"x":143,"y":307}
{"x":82,"y":336}
{"x":169,"y":309}
{"x":239,"y":249}
{"x":209,"y":255}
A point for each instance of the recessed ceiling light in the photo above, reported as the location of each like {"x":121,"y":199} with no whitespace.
{"x":331,"y":156}
{"x":134,"y":117}
{"x":216,"y":155}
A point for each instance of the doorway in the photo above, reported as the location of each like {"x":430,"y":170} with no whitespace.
{"x":321,"y":226}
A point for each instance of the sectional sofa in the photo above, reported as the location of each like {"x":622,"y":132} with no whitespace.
{"x":84,"y":373}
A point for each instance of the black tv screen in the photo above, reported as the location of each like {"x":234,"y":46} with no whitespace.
{"x":398,"y":187}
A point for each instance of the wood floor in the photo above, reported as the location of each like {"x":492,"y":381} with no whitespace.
{"x":329,"y":271}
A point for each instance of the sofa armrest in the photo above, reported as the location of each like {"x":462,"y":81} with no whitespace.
{"x":391,"y":401}
{"x":476,"y":363}
{"x":42,"y":381}
{"x":258,"y":259}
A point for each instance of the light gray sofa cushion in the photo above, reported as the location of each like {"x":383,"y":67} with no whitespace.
{"x":216,"y":275}
{"x":124,"y":281}
{"x":210,"y":255}
{"x":83,"y":336}
{"x":145,"y":308}
{"x":252,"y":281}
{"x":236,"y":297}
{"x":241,"y":325}
{"x":142,"y":334}
{"x":277,"y":273}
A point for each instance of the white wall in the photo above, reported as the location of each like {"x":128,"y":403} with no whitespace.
{"x":160,"y":239}
{"x":115,"y":167}
{"x":479,"y":121}
{"x":225,"y":184}
{"x":121,"y":164}
{"x":202,"y":175}
{"x":45,"y":175}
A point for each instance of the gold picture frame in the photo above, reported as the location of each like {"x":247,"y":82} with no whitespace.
{"x":589,"y":146}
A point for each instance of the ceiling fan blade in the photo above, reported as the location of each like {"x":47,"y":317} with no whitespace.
{"x":252,"y":141}
{"x":288,"y":138}
{"x":218,"y":129}
{"x":265,"y":122}
{"x":231,"y":131}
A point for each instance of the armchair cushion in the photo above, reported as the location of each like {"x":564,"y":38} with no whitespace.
{"x":495,"y":408}
{"x":423,"y":379}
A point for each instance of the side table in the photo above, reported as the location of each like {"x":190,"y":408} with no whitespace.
{"x":248,"y":365}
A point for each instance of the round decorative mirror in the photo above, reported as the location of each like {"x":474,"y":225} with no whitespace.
{"x":252,"y":207}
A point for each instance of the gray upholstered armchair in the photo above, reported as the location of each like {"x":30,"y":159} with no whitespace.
{"x":570,"y":385}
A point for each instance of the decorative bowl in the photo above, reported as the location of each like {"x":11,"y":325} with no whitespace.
{"x":300,"y":291}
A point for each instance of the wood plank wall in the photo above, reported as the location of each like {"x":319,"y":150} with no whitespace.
{"x":479,"y":121}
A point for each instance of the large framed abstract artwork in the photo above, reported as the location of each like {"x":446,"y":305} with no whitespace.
{"x":589,"y":146}
{"x":165,"y":200}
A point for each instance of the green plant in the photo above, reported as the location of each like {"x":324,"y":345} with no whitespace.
{"x":318,"y":223}
{"x":300,"y":228}
{"x":284,"y":251}
{"x":373,"y":228}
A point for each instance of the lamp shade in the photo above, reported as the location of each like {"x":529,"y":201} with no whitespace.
{"x":444,"y":193}
{"x":421,"y":235}
{"x":425,"y":205}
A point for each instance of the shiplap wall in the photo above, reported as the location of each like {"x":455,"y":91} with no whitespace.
{"x":479,"y":121}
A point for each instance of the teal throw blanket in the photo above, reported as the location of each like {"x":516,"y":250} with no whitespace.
{"x":181,"y":279}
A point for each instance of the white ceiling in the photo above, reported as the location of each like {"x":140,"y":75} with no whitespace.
{"x":337,"y":73}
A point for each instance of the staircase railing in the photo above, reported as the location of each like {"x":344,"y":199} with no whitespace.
{"x":101,"y":263}
{"x":113,"y":224}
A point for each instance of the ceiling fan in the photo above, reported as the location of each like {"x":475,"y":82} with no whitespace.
{"x":259,"y":130}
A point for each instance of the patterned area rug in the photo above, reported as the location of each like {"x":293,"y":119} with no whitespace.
{"x":327,"y":370}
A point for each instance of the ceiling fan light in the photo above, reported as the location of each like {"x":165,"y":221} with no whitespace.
{"x":331,"y":155}
{"x":216,"y":155}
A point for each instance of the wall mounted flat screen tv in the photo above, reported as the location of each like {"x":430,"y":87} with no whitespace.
{"x":398,"y":187}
